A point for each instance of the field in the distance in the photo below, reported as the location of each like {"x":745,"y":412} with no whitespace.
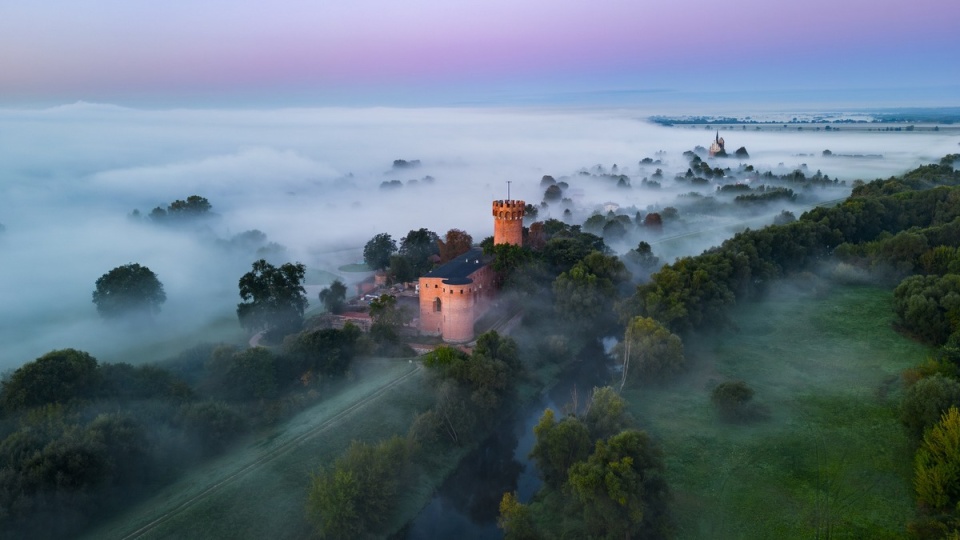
{"x":832,"y":460}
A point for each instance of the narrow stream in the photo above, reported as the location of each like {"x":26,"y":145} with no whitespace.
{"x":467,"y":504}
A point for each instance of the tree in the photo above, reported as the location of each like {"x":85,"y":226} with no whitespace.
{"x":457,"y":243}
{"x":274,"y":298}
{"x":327,"y":351}
{"x":515,"y":519}
{"x":358,"y":494}
{"x":654,"y":221}
{"x":387,"y":318}
{"x":937,"y":464}
{"x":925,"y":402}
{"x":650,"y":349}
{"x":621,"y":488}
{"x":614,"y":230}
{"x":377,"y":252}
{"x":126,"y":290}
{"x":56,"y":377}
{"x":586,"y":293}
{"x":929,"y":306}
{"x":595,"y":223}
{"x":194,"y":206}
{"x":401,"y":271}
{"x":553,"y":193}
{"x":606,"y":414}
{"x":641,"y":258}
{"x":418,"y":247}
{"x":213,"y":423}
{"x":559,"y":445}
{"x":731,"y":398}
{"x":334,"y":297}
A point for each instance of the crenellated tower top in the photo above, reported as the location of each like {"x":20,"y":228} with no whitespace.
{"x":508,"y":221}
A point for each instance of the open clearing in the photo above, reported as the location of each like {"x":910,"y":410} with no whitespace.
{"x":259,"y":491}
{"x":832,"y":459}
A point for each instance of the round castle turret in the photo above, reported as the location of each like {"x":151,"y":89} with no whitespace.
{"x":508,"y":222}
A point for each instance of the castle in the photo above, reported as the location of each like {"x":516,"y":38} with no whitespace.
{"x":717,"y":146}
{"x":454,"y":295}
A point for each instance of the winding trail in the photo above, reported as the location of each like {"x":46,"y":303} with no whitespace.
{"x":270,"y":455}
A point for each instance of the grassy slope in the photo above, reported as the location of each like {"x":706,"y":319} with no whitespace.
{"x":268,"y":500}
{"x":832,"y":460}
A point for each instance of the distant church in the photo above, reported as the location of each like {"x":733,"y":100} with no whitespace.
{"x":455,"y":295}
{"x":717,"y":147}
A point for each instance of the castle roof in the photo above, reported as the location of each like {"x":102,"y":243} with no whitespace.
{"x":460,"y":267}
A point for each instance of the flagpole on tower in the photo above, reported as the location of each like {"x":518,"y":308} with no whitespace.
{"x":508,"y":190}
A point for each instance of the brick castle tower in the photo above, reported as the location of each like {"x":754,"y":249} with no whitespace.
{"x":455,"y":294}
{"x":508,"y":222}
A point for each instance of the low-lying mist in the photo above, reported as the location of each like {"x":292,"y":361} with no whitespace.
{"x":310,"y":180}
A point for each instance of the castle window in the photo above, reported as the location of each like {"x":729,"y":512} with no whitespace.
{"x":436,"y":305}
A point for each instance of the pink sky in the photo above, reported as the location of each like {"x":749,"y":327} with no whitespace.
{"x":118,"y":50}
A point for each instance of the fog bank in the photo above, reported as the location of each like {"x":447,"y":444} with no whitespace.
{"x":310,"y":180}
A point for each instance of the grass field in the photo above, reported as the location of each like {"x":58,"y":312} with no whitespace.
{"x":831,"y":461}
{"x":158,"y":347}
{"x":316,"y":276}
{"x":259,"y":491}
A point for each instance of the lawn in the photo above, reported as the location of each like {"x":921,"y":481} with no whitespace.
{"x":831,"y":460}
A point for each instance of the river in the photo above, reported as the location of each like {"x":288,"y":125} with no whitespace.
{"x":467,"y":504}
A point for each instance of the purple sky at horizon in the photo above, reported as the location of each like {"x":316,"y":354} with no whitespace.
{"x":431,"y":52}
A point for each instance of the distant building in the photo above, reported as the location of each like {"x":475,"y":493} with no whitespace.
{"x":717,"y":147}
{"x":454,"y":295}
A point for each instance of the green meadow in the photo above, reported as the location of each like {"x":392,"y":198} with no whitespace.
{"x":830,"y":460}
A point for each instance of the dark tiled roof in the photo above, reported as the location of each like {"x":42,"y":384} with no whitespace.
{"x":460,"y":267}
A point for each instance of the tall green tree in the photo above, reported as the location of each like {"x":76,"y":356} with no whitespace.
{"x":377,"y":251}
{"x":128,"y":290}
{"x":586,"y":294}
{"x":650,"y":350}
{"x":356,"y":496}
{"x":274,"y":298}
{"x":937,"y":471}
{"x":334,"y":297}
{"x":559,"y":445}
{"x":418,"y":247}
{"x":621,"y":488}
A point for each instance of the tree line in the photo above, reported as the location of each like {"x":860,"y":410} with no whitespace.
{"x":80,"y":439}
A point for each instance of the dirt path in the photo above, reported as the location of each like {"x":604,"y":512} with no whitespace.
{"x":245,"y":468}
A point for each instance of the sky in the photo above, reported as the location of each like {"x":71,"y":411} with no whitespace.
{"x":288,"y":115}
{"x":431,"y":52}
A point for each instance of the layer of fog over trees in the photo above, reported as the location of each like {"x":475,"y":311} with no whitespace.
{"x":310,"y":181}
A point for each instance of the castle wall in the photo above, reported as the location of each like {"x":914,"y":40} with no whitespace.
{"x":458,"y":314}
{"x":508,"y":222}
{"x":431,"y":320}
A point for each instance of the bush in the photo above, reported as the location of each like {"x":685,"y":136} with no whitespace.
{"x":355,"y":497}
{"x":925,"y":402}
{"x":733,"y":401}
